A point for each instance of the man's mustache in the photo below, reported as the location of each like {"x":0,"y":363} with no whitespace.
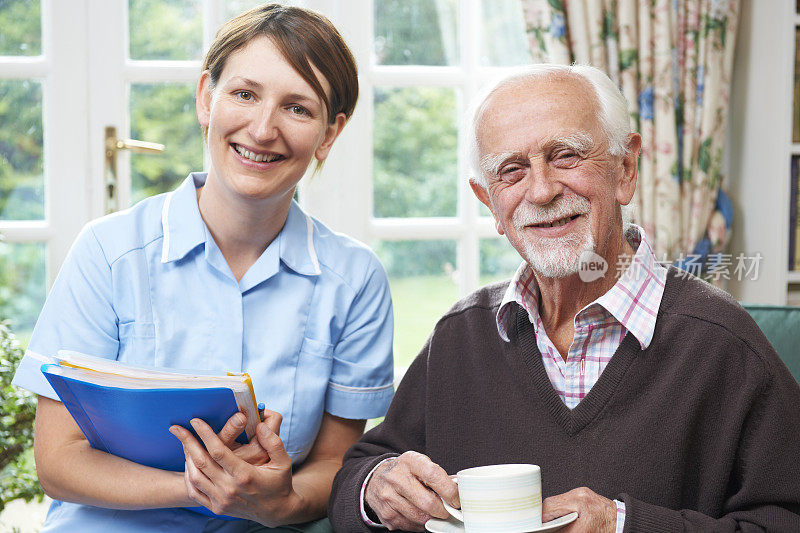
{"x":529,"y":214}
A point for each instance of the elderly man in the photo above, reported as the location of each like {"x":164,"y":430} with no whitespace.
{"x":650,"y":399}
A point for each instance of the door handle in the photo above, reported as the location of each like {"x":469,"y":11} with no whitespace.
{"x":113,"y":145}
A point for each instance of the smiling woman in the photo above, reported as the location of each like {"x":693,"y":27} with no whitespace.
{"x":261,"y":117}
{"x":227,"y":273}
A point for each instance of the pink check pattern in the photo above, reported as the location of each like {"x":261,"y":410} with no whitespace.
{"x":630,"y":305}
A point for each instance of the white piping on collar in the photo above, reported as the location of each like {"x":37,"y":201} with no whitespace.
{"x":312,"y":252}
{"x":39,"y":357}
{"x":165,"y":228}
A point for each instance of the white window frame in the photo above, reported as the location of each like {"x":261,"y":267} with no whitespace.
{"x":342,"y":195}
{"x":112,"y":72}
{"x":85,"y":73}
{"x":62,"y":71}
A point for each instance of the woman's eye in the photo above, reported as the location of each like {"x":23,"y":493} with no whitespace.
{"x":244,"y":95}
{"x":299,"y":110}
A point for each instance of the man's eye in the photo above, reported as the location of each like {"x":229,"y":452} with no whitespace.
{"x":511,"y":173}
{"x":566,"y":158}
{"x":244,"y":95}
{"x":299,"y":110}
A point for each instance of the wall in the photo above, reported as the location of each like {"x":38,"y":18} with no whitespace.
{"x":759,"y":137}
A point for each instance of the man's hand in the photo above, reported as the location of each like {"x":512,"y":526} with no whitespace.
{"x":404,"y":492}
{"x":595,"y":513}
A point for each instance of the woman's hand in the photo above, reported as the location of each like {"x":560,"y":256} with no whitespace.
{"x":224,"y":482}
{"x":252,"y":452}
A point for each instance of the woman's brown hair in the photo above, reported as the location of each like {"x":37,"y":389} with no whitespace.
{"x":305,"y":38}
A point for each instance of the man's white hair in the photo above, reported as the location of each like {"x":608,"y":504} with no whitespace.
{"x":612,"y":107}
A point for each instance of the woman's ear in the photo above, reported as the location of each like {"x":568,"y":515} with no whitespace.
{"x":332,"y":131}
{"x":203,"y":99}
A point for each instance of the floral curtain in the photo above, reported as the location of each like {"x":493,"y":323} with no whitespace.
{"x":673,"y":61}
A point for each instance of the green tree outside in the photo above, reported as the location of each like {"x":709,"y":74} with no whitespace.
{"x":21,"y":24}
{"x":409,"y":32}
{"x":164,"y":113}
{"x":415,"y":143}
{"x":165,"y":29}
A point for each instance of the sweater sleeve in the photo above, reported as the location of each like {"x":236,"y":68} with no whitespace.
{"x":764,"y":493}
{"x":402,"y":429}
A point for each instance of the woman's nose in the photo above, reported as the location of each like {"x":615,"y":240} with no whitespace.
{"x":264,"y":125}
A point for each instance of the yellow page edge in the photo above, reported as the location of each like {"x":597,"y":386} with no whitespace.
{"x":249,"y":383}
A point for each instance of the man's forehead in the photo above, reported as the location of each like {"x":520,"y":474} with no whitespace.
{"x":562,"y":105}
{"x":543,"y":94}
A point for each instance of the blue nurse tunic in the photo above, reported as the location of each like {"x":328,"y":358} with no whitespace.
{"x":311,"y":321}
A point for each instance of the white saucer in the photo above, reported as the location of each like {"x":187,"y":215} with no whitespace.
{"x":435,"y":525}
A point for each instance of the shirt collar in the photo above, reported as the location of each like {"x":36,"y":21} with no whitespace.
{"x":633,"y":300}
{"x":184,"y":230}
{"x":181,"y":222}
{"x":297,"y":246}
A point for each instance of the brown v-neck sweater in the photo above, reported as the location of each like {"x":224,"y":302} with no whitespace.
{"x":698,"y":432}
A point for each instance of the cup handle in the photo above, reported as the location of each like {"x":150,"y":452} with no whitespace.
{"x":456,"y":513}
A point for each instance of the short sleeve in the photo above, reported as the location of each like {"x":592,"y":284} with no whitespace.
{"x":362,"y":380}
{"x":77,"y":315}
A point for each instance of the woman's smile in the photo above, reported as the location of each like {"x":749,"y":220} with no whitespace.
{"x":255,"y":156}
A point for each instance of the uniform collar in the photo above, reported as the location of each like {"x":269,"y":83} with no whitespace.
{"x":181,"y":223}
{"x":297,"y":248}
{"x":184,"y":230}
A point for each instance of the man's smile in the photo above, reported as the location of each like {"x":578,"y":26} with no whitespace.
{"x":556,"y":223}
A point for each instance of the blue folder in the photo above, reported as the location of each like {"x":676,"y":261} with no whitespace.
{"x":134,"y":423}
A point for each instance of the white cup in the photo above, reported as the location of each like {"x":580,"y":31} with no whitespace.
{"x":499,"y":498}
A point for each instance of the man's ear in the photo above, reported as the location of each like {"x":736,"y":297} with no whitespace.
{"x":483,"y":195}
{"x":630,"y":170}
{"x":203,"y":99}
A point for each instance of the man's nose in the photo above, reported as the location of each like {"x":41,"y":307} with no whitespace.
{"x":264,"y":126}
{"x":541,"y":185}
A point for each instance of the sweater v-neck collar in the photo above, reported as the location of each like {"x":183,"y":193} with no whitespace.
{"x":573,"y":420}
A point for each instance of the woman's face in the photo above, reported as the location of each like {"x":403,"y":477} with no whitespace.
{"x":265,"y":123}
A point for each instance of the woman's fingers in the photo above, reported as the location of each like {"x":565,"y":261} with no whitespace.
{"x":195,"y":478}
{"x":195,"y":451}
{"x":216,"y":455}
{"x":273,"y":420}
{"x":272,"y":443}
{"x":252,"y":453}
{"x":232,"y":429}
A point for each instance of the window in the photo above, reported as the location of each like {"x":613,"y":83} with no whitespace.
{"x":396,"y":179}
{"x":32,"y":159}
{"x":421,"y":63}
